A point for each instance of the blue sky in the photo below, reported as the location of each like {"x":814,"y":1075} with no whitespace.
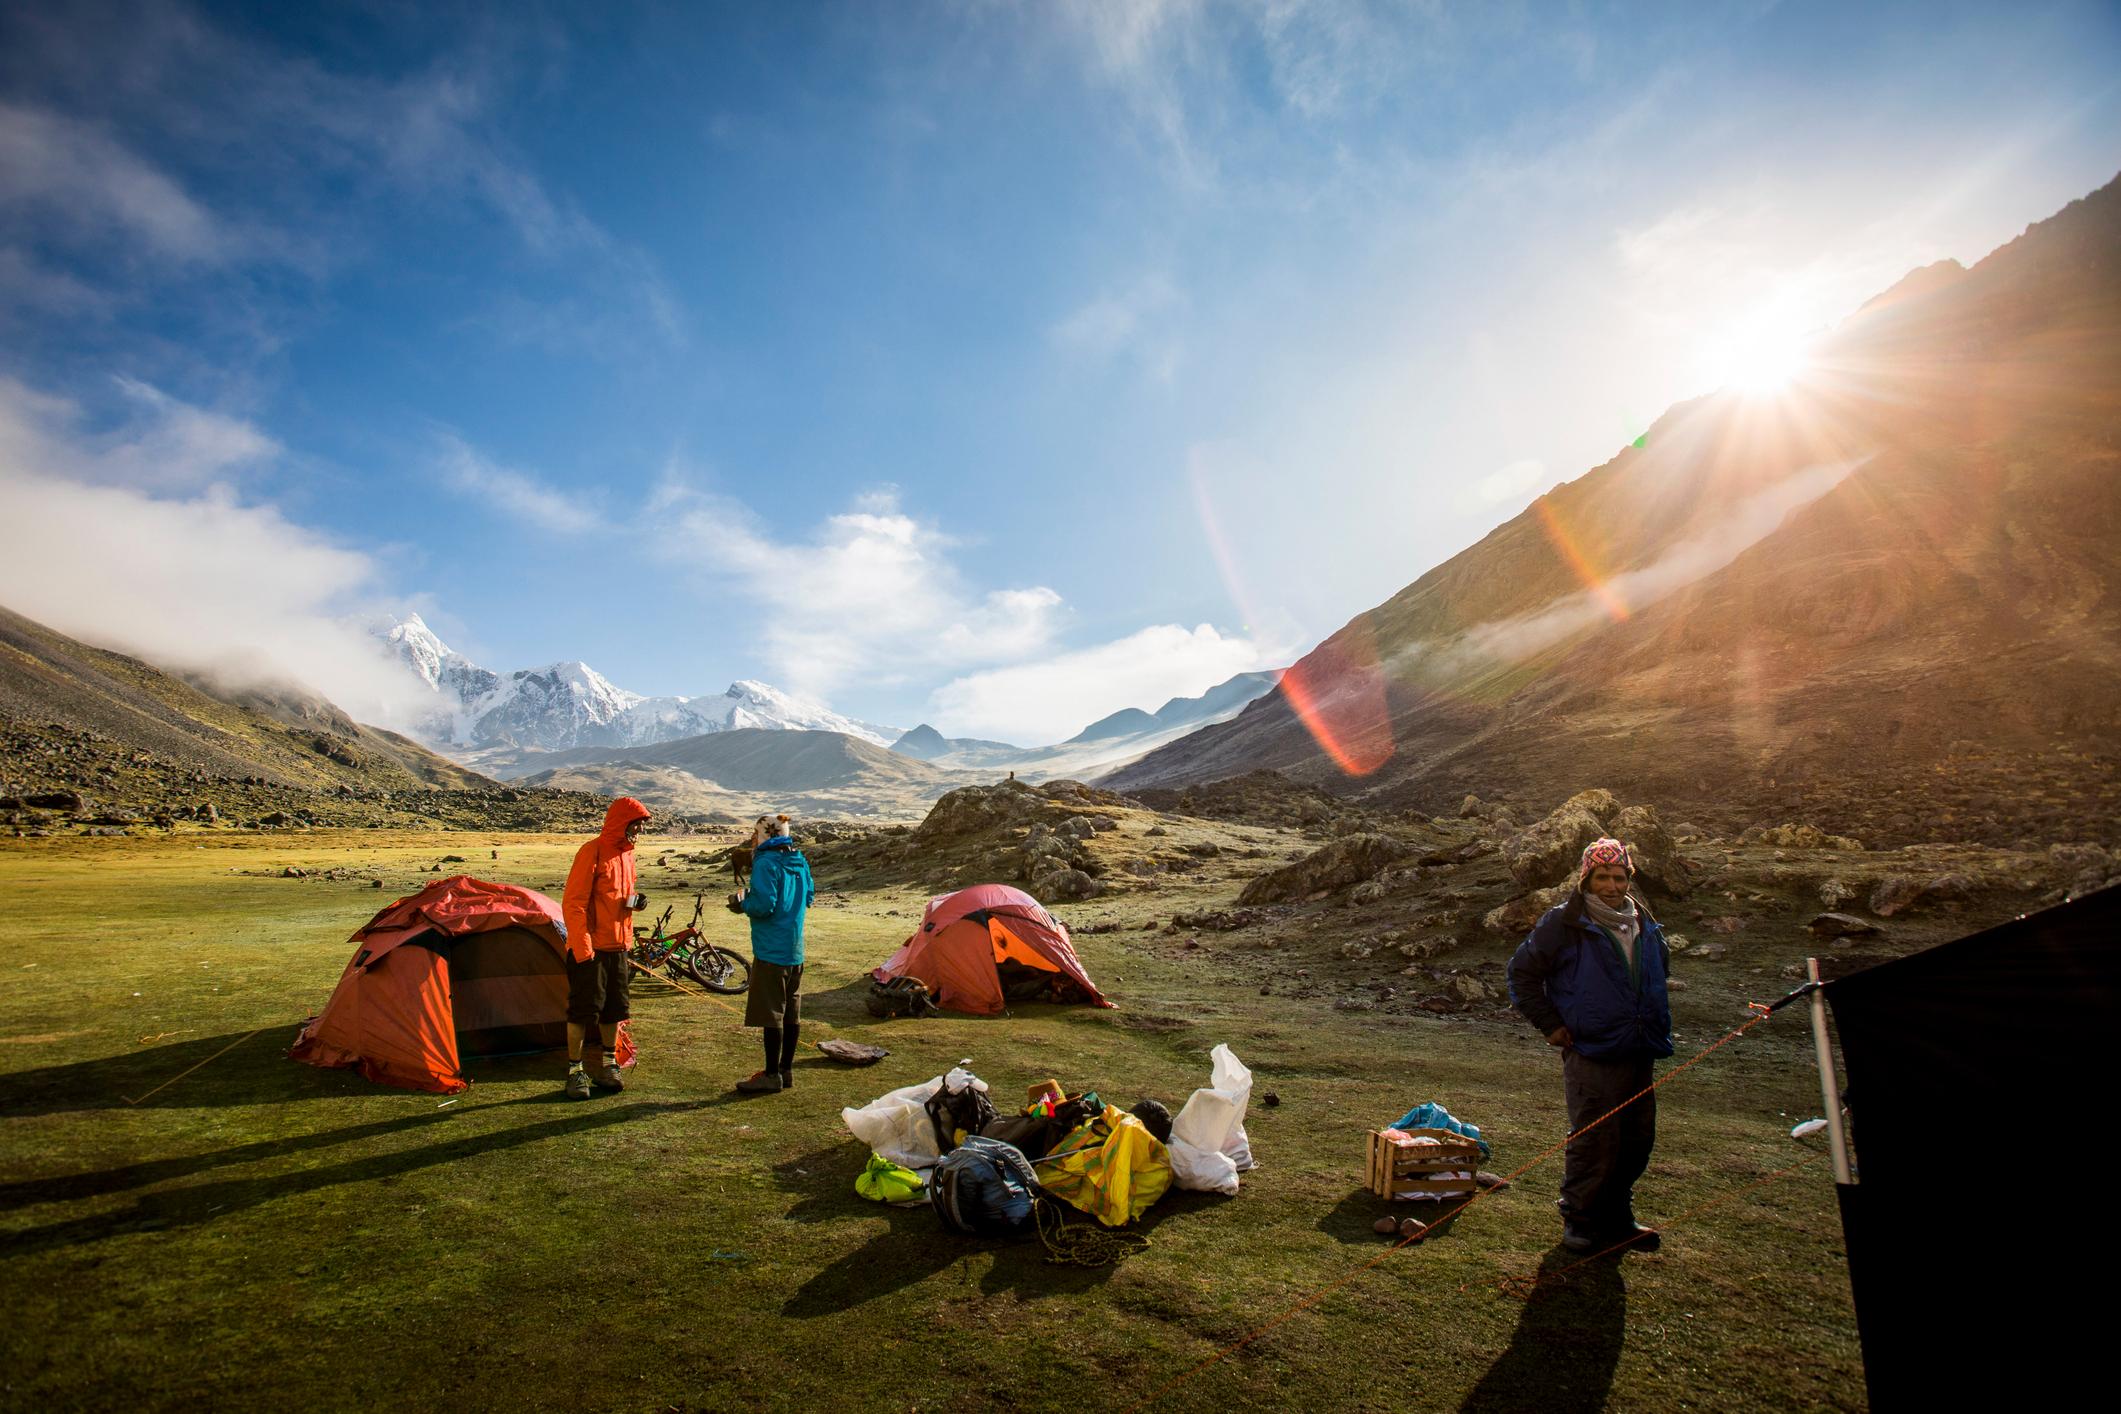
{"x":904,"y":354}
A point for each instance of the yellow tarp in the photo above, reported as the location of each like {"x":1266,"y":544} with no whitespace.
{"x":1111,"y":1167}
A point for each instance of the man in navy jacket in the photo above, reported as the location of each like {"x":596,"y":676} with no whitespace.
{"x":1591,"y":976}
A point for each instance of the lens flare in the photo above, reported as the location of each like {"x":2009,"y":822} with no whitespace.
{"x":1609,"y":599}
{"x":1338,"y":689}
{"x":1338,"y":692}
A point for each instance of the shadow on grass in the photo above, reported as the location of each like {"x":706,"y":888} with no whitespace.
{"x":201,"y":1202}
{"x":915,"y":1245}
{"x":1566,"y":1348}
{"x":254,"y":1071}
{"x":1352,"y":1217}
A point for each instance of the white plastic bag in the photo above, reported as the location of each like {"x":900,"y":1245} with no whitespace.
{"x":896,"y":1125}
{"x":1209,"y":1148}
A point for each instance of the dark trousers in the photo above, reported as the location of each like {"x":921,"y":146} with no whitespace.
{"x":1598,"y":1176}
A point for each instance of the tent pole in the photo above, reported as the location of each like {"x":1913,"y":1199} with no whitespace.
{"x":1828,"y":1091}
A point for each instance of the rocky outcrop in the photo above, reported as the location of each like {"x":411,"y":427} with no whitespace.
{"x":1657,"y":862}
{"x":1540,"y":854}
{"x":1348,"y":860}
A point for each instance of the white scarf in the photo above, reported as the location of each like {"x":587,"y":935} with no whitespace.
{"x":1624,"y":923}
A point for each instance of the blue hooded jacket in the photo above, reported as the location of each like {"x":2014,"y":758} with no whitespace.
{"x":780,"y":893}
{"x":1570,"y":972}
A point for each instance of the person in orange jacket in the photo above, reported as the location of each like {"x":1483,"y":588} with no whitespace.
{"x":598,"y":907}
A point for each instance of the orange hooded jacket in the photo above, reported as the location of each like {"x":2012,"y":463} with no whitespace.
{"x":600,"y":883}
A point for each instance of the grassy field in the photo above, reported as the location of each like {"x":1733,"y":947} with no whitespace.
{"x":259,"y":1233}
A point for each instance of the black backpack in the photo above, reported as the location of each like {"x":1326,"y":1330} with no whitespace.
{"x":949,"y":1110}
{"x":985,"y":1188}
{"x":901,"y":996}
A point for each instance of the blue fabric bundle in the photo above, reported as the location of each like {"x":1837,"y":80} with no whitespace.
{"x":1435,"y":1116}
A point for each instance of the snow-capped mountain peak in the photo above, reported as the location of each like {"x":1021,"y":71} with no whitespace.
{"x":568,"y":704}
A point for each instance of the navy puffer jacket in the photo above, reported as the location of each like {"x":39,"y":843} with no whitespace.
{"x":1569,"y":972}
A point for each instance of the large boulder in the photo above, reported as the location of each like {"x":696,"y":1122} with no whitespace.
{"x":1540,"y":854}
{"x":1065,"y":886}
{"x":1657,"y":861}
{"x":1347,"y":860}
{"x":973,"y":810}
{"x":1516,"y":917}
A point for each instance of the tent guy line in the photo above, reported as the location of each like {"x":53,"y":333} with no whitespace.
{"x":189,"y":1069}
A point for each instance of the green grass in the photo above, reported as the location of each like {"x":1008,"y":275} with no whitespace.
{"x":260,"y":1233}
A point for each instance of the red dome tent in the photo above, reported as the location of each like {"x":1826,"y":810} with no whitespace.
{"x":461,"y":965}
{"x":980,"y":945}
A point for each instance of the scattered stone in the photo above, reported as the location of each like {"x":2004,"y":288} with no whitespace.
{"x":1896,"y":893}
{"x":1156,"y":831}
{"x":1271,"y":1100}
{"x":1676,"y":943}
{"x":1355,"y":951}
{"x":1355,"y":1002}
{"x":1711,"y":952}
{"x":1465,"y":987}
{"x":1204,"y":849}
{"x":1519,"y":914}
{"x":1726,"y":924}
{"x":1836,"y":892}
{"x":292,"y":872}
{"x":1369,"y":891}
{"x":1674,"y":984}
{"x":1842,"y":925}
{"x":1471,"y":808}
{"x":68,"y":800}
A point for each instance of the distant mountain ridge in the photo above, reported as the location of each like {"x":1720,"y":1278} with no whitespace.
{"x":569,"y":704}
{"x":1888,"y":601}
{"x":1106,"y":743}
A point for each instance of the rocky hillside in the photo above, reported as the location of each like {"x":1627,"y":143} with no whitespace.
{"x":96,"y":740}
{"x":1888,"y":600}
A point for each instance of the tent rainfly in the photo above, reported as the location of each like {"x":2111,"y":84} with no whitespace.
{"x":461,"y":966}
{"x":982,"y":946}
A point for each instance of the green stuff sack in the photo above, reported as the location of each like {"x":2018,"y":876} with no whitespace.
{"x":886,"y":1182}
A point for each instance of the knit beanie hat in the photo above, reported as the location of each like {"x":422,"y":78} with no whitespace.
{"x":1605,"y":851}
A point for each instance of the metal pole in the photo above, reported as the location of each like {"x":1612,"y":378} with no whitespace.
{"x":1828,"y":1091}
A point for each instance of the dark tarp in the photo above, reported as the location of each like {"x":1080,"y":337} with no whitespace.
{"x":1981,"y":1099}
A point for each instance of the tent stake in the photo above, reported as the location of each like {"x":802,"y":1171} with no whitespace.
{"x":1828,"y":1091}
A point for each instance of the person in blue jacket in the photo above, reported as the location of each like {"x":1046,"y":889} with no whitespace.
{"x":776,"y":899}
{"x":1591,"y":976}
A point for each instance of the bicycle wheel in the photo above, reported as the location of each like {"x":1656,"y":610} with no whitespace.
{"x":720,"y":970}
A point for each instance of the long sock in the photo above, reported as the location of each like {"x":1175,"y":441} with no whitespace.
{"x":788,"y":1035}
{"x":773,"y":1048}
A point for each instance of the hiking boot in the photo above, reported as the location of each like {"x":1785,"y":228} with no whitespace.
{"x":1642,"y":1239}
{"x":577,"y":1084}
{"x":760,"y":1082}
{"x":1577,"y":1239}
{"x":787,"y":1080}
{"x":605,"y":1075}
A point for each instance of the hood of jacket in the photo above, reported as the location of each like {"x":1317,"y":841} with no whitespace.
{"x":623,"y":812}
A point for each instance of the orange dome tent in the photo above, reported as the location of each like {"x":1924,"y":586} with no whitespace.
{"x":982,"y":945}
{"x":462,"y":964}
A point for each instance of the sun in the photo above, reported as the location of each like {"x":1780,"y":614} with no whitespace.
{"x":1760,"y":357}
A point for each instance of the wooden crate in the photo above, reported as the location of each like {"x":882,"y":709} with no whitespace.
{"x":1418,"y":1168}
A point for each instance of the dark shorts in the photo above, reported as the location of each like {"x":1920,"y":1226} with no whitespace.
{"x":776,"y":995}
{"x":597,"y":989}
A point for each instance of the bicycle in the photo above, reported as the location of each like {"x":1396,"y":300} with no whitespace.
{"x":687,"y":951}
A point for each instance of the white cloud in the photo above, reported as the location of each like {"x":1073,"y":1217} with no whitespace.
{"x":870,"y":595}
{"x":1502,"y":485}
{"x":159,"y":443}
{"x":201,"y":582}
{"x":1139,"y":319}
{"x":513,"y":492}
{"x":74,"y":174}
{"x":1053,"y":698}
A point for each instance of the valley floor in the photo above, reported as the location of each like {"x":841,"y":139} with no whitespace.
{"x":255,"y":1233}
